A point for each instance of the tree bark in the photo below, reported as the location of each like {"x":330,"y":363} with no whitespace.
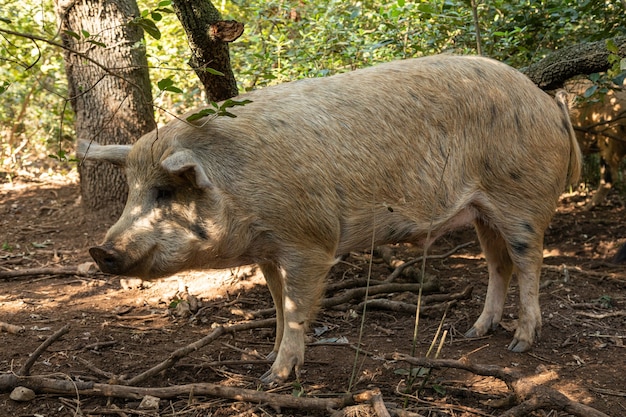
{"x":110,"y":91}
{"x":208,"y":36}
{"x":584,"y":58}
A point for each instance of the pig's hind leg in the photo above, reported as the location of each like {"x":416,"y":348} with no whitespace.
{"x":518,"y":248}
{"x":302,"y":276}
{"x":500,"y":267}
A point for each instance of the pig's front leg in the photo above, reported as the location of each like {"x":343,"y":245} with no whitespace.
{"x":275,"y":281}
{"x":303,"y":276}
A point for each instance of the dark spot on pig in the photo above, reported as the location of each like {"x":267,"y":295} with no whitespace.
{"x":199,"y":231}
{"x":487,"y":167}
{"x":518,"y":123}
{"x":529,"y":227}
{"x":515,"y":175}
{"x":565,"y":125}
{"x":479,"y":72}
{"x":519,"y":247}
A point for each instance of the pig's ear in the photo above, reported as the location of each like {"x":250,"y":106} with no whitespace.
{"x":115,"y":154}
{"x":183,"y":162}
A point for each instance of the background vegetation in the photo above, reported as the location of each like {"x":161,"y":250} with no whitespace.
{"x":283,"y":40}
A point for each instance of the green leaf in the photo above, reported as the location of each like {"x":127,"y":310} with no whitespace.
{"x":148,"y":26}
{"x":199,"y":115}
{"x":85,"y":33}
{"x":439,"y":389}
{"x":401,"y":3}
{"x":165,"y":83}
{"x":213,"y":71}
{"x":156,"y":16}
{"x":619,"y":80}
{"x":611,"y":46}
{"x":97,"y":43}
{"x":165,"y":3}
{"x":4,"y":86}
{"x":72,"y":34}
{"x":589,"y":92}
{"x":5,"y":20}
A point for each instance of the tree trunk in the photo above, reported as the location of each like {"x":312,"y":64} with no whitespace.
{"x":208,"y":36}
{"x":584,"y":58}
{"x":109,"y":88}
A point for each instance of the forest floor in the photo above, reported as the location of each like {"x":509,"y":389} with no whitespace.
{"x":120,"y":327}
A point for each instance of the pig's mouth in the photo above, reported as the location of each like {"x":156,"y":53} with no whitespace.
{"x":112,"y":261}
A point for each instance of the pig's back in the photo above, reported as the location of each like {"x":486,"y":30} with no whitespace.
{"x":419,"y":137}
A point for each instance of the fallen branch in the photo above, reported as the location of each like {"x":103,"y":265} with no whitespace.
{"x":400,"y":268}
{"x":25,"y":369}
{"x":198,"y":344}
{"x":83,"y":270}
{"x":43,"y":385}
{"x":376,"y":288}
{"x":426,"y":305}
{"x":528,"y":392}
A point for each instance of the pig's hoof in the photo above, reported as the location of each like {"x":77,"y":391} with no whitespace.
{"x":519,"y":346}
{"x":270,"y":379}
{"x":271,"y":356}
{"x":473,"y":332}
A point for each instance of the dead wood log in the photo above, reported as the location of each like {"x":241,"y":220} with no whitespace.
{"x":528,"y":391}
{"x":584,"y":58}
{"x":44,"y":385}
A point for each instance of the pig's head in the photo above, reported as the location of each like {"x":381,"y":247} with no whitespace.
{"x":173,"y":216}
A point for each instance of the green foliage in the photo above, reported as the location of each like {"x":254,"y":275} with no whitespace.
{"x":283,"y":40}
{"x":218,"y":110}
{"x":32,"y":82}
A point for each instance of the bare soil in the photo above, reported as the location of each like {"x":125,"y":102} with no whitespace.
{"x":120,"y":327}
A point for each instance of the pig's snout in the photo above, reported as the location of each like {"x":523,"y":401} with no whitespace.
{"x":108,"y":259}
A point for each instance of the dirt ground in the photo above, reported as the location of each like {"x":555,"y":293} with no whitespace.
{"x":120,"y":327}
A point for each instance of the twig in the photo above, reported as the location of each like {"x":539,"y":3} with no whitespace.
{"x":529,"y":393}
{"x":184,"y":351}
{"x":25,"y":369}
{"x":427,"y":302}
{"x":375,"y":398}
{"x":398,"y":271}
{"x":382,"y":287}
{"x":29,"y":272}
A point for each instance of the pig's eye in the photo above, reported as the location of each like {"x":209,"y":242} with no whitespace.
{"x":164,"y":195}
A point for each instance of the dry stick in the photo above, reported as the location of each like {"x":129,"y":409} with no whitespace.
{"x":529,"y":394}
{"x":29,"y":272}
{"x":398,"y":306}
{"x":398,"y":271}
{"x":383,"y":288}
{"x":25,"y":369}
{"x":375,"y":398}
{"x":184,"y":351}
{"x":65,"y":387}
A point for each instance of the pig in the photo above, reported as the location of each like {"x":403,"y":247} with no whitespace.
{"x":600,"y":126}
{"x":309,"y":170}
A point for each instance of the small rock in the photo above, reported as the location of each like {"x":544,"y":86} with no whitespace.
{"x":22,"y":394}
{"x":149,"y":403}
